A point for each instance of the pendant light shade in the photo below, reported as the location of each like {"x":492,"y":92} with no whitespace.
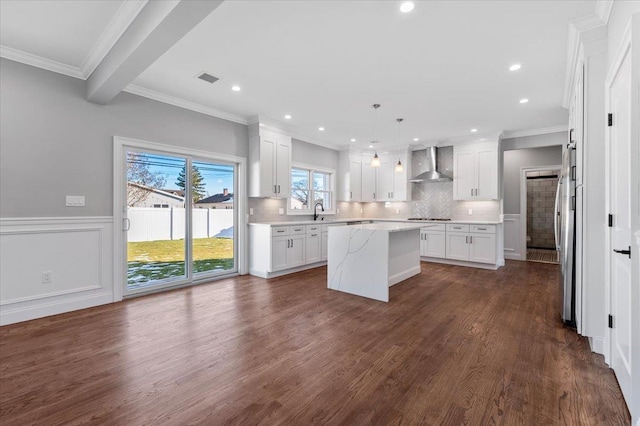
{"x":375,"y":161}
{"x":399,"y":167}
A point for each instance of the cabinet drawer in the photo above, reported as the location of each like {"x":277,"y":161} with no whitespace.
{"x":313,"y":229}
{"x":298,"y":229}
{"x":457,"y":227}
{"x":483,"y":229}
{"x":434,"y":227}
{"x":279,"y":230}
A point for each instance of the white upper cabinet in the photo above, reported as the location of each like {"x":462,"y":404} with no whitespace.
{"x":269,"y":164}
{"x":380,"y":183}
{"x":350,"y":176}
{"x":475,"y":171}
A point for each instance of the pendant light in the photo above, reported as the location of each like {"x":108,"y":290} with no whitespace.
{"x":375,"y":161}
{"x":399,"y":167}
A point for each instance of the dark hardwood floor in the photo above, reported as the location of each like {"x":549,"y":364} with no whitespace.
{"x":453,"y":346}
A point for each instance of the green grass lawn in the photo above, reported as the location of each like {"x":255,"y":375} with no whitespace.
{"x":156,"y":260}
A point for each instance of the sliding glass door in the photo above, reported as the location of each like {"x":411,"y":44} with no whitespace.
{"x":180,"y":219}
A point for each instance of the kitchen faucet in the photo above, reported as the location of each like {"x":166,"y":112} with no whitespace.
{"x":315,"y":211}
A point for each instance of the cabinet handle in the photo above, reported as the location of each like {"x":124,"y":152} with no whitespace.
{"x":288,"y":242}
{"x":482,"y":229}
{"x":275,"y":189}
{"x":374,"y":195}
{"x":476,"y":192}
{"x":466,"y":239}
{"x":470,"y":239}
{"x":351,"y":195}
{"x":292,"y":243}
{"x":314,"y":235}
{"x":472,"y":192}
{"x":391,"y":194}
{"x":278,"y":189}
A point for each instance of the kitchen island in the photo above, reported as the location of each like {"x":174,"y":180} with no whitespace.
{"x":367,"y":259}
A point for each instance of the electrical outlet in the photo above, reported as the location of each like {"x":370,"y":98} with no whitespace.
{"x":251,"y":211}
{"x":337,"y":211}
{"x":470,"y":212}
{"x":75,"y":200}
{"x":360,"y":210}
{"x":47,"y":277}
{"x":280,"y":210}
{"x":397,"y":211}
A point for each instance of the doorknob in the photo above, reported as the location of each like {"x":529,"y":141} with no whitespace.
{"x":627,"y":252}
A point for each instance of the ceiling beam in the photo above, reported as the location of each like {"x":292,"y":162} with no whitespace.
{"x":155,"y":30}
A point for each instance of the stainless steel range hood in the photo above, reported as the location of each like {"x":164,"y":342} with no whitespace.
{"x":431,"y":175}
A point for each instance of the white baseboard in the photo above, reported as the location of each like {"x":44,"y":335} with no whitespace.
{"x":401,"y":276}
{"x":597,"y":344}
{"x":78,"y":252}
{"x":267,"y":275}
{"x":461,"y":263}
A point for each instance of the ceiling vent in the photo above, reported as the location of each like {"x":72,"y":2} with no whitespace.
{"x":208,"y":78}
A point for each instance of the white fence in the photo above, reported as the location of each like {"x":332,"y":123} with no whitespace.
{"x":151,"y":224}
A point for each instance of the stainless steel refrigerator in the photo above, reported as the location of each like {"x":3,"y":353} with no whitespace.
{"x":565,"y":225}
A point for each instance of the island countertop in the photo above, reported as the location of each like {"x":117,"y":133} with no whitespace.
{"x":387,"y":226}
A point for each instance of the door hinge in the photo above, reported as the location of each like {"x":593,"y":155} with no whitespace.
{"x":609,"y":119}
{"x":610,"y":321}
{"x":610,"y":221}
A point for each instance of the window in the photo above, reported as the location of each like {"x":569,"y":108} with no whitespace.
{"x":310,"y":186}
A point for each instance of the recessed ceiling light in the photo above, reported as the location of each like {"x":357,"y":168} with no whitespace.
{"x":353,"y":139}
{"x":261,"y":124}
{"x":515,"y":67}
{"x":235,"y":88}
{"x":321,"y":129}
{"x":474,"y":130}
{"x":524,"y":100}
{"x":370,"y":146}
{"x":406,"y":6}
{"x":287,"y":117}
{"x":416,"y":139}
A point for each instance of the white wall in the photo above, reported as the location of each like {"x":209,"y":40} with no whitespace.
{"x":314,"y":155}
{"x":515,"y":160}
{"x":54,"y":143}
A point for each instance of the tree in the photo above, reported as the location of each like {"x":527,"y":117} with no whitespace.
{"x":138,"y":172}
{"x":197,"y":184}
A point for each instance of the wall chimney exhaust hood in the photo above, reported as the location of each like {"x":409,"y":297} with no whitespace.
{"x":431,"y":175}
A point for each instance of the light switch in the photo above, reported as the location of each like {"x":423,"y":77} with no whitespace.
{"x":251,"y":211}
{"x":75,"y":200}
{"x":280,"y":210}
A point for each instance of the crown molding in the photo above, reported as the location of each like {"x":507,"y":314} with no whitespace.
{"x":534,"y":132}
{"x":596,"y":24}
{"x":123,"y":18}
{"x":315,"y":141}
{"x":603,"y":10}
{"x":40,"y":62}
{"x":181,"y":103}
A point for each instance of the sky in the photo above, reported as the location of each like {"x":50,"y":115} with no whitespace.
{"x":216,"y":177}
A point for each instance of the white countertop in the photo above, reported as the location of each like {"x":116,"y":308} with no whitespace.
{"x":360,"y":219}
{"x":386,"y":226}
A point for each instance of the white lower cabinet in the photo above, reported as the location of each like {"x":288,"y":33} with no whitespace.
{"x":458,"y":245}
{"x":432,"y":243}
{"x":324,"y":242}
{"x":287,"y":252}
{"x":473,"y":243}
{"x":313,"y":251}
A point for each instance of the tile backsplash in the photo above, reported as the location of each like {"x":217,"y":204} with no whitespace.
{"x":429,"y":200}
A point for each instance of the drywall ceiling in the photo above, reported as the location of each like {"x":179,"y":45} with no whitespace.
{"x":443,"y":67}
{"x":61,"y":31}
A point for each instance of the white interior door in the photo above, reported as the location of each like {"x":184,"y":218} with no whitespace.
{"x":620,"y":236}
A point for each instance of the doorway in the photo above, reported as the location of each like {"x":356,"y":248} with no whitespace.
{"x":541,"y":188}
{"x":180,"y":215}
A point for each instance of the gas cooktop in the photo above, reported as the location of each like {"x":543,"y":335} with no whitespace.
{"x":435,"y":219}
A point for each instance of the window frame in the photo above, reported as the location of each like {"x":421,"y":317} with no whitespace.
{"x":332,"y":189}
